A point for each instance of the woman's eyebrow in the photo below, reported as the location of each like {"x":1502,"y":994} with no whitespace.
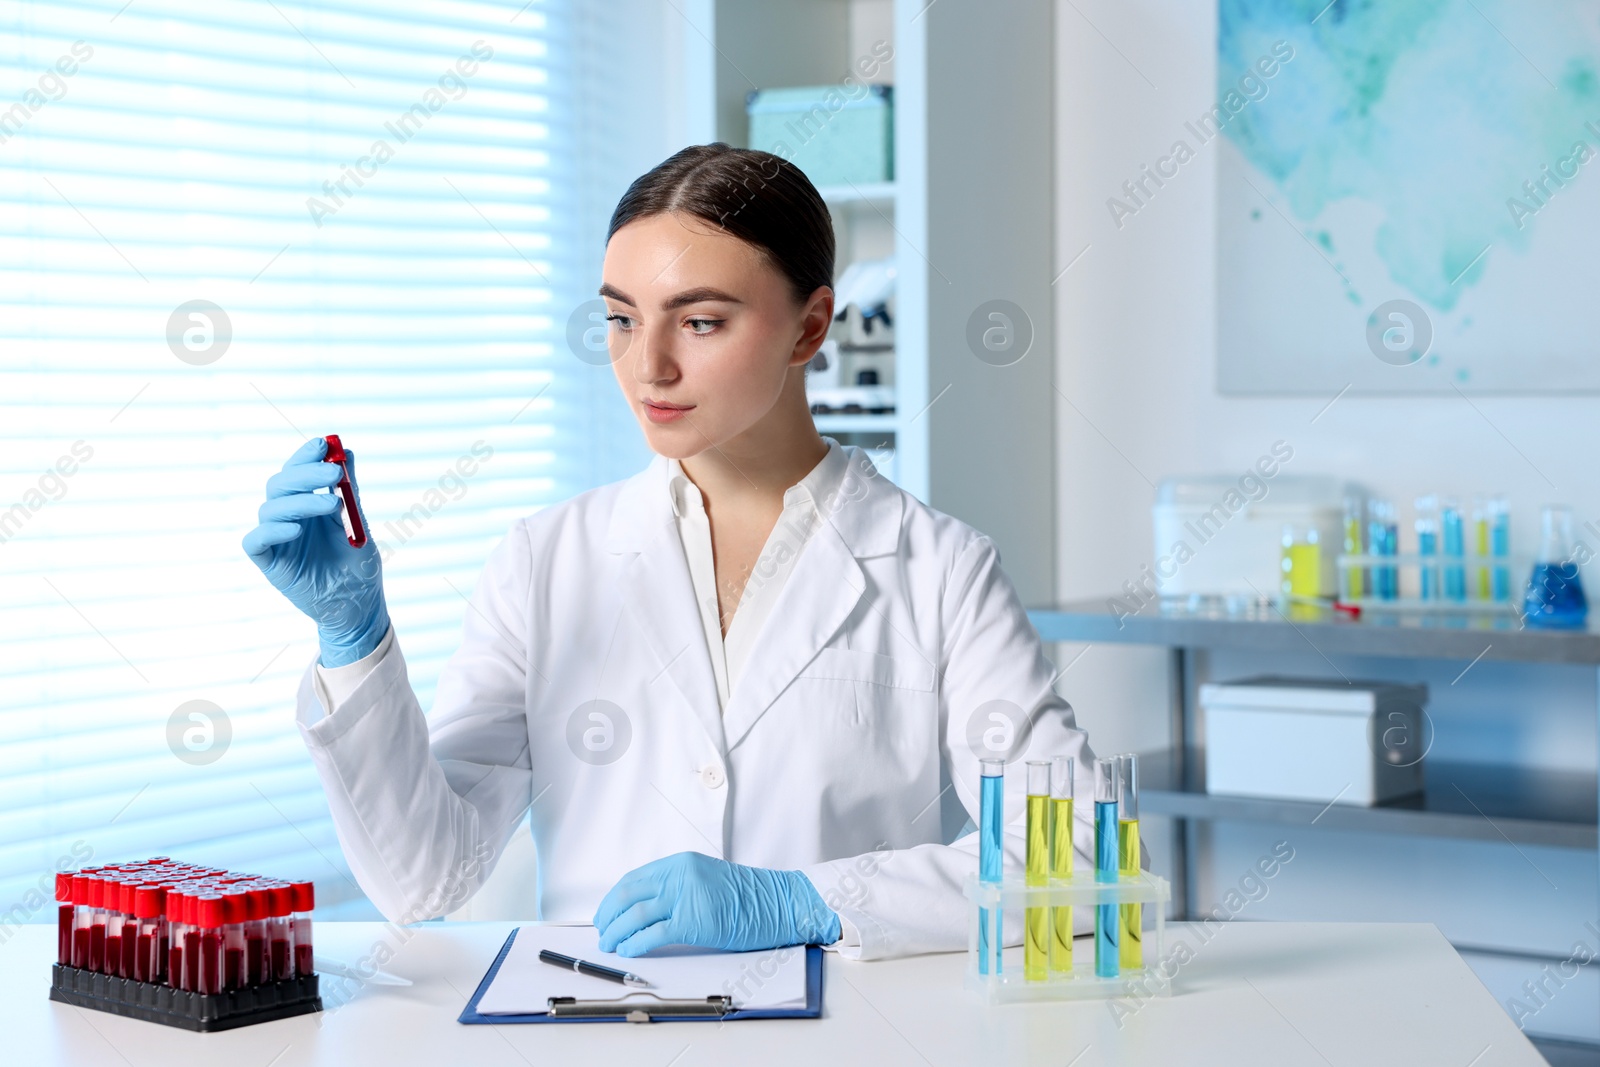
{"x":698,"y":295}
{"x":688,"y":296}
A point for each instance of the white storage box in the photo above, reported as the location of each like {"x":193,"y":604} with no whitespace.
{"x":1325,"y":741}
{"x":1233,"y":544}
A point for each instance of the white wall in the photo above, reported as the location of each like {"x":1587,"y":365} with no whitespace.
{"x":1137,"y":353}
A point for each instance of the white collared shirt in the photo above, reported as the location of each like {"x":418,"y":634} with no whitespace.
{"x":802,"y":503}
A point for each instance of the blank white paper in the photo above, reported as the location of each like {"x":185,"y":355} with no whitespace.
{"x":771,"y":978}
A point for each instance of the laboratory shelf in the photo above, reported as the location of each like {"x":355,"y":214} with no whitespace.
{"x":1513,"y":803}
{"x":1460,"y":800}
{"x":1408,"y":635}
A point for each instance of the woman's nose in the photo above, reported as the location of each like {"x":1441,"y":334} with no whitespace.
{"x":652,"y":360}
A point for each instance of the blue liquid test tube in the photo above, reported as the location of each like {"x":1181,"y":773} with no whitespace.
{"x":1384,"y":540}
{"x":991,"y":856}
{"x":1452,"y":532}
{"x":1107,"y":782}
{"x":1428,"y":545}
{"x":1500,"y":546}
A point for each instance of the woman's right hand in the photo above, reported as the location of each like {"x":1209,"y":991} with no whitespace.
{"x":302,"y":549}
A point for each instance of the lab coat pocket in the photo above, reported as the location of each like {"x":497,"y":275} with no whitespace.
{"x":869,"y":721}
{"x":849,"y":664}
{"x":870,"y":689}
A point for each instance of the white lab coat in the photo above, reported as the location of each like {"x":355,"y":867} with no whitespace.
{"x":844,"y":751}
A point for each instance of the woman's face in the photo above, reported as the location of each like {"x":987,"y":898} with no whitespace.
{"x":704,"y":331}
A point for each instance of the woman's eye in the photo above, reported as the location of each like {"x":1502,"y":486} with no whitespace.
{"x":623,"y":321}
{"x":710,"y":324}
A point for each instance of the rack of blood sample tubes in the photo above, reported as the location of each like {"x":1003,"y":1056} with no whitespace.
{"x":1046,"y":889}
{"x":198,"y":947}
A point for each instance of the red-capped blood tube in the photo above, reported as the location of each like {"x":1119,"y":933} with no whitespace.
{"x":148,"y":901}
{"x":255,"y":936}
{"x":65,"y":915}
{"x":355,"y":531}
{"x":130,"y":926}
{"x":82,"y":919}
{"x":116,"y":919}
{"x":235,"y":909}
{"x":174,"y":914}
{"x":280,"y":944}
{"x":300,"y":927}
{"x":208,"y":916}
{"x":97,"y":927}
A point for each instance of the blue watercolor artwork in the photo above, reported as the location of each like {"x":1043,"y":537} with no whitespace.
{"x":1410,"y":202}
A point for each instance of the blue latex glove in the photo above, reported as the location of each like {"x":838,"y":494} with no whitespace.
{"x":693,"y":899}
{"x":302,"y":549}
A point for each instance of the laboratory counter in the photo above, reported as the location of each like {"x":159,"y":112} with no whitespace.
{"x":1279,"y":994}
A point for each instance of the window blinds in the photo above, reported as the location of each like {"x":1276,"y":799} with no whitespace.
{"x":228,"y":228}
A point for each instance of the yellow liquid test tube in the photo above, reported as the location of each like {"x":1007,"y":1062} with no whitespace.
{"x":1036,"y":921}
{"x":1061,"y":862}
{"x":1480,"y":531}
{"x":1131,"y":936}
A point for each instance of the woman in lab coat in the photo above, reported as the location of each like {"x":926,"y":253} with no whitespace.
{"x":744,"y":692}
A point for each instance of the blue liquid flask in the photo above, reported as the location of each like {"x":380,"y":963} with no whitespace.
{"x":1106,"y":787}
{"x":1554,"y":597}
{"x":991,"y":857}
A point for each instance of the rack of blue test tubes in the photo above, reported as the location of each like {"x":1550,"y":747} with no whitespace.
{"x":1462,"y":559}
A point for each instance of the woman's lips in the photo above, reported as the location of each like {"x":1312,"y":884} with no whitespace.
{"x":666,"y":412}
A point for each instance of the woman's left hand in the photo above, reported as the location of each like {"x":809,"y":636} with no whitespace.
{"x":694,"y":899}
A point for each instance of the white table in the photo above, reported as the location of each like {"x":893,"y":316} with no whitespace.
{"x":1257,"y":993}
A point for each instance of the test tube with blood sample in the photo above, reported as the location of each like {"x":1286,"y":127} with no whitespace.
{"x":66,"y":916}
{"x":97,"y":928}
{"x":255,"y":935}
{"x":111,"y":901}
{"x":300,"y":923}
{"x":175,"y":931}
{"x":130,"y":925}
{"x":280,"y":952}
{"x":355,"y":531}
{"x":235,"y":909}
{"x":110,"y":923}
{"x":192,"y":936}
{"x":208,"y":917}
{"x":82,"y":918}
{"x":149,"y":957}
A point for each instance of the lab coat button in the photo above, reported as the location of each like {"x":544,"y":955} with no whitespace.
{"x":711,"y":776}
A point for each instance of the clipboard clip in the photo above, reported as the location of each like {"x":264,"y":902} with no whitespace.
{"x":638,"y":1007}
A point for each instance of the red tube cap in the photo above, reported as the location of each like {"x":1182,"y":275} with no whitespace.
{"x":282,"y":894}
{"x":209,"y":910}
{"x":149,"y":901}
{"x":235,"y":904}
{"x":97,"y":889}
{"x":64,"y":887}
{"x":305,"y":896}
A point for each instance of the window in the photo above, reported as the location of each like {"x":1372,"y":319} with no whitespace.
{"x":228,"y":228}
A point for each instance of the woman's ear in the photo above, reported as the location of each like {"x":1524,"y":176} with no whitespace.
{"x":814,"y":323}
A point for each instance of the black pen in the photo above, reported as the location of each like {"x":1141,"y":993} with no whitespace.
{"x":593,"y":970}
